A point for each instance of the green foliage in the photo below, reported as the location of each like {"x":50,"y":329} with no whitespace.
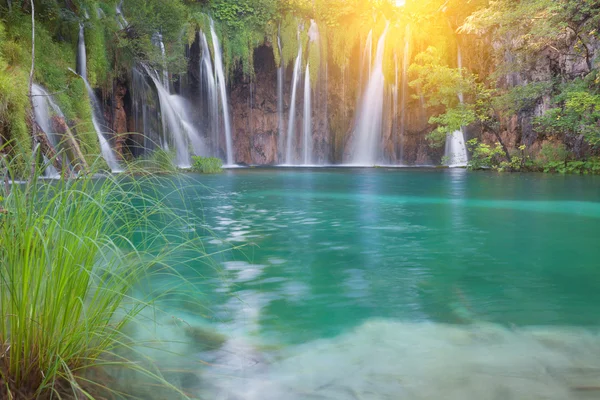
{"x":484,"y":155}
{"x":244,"y":24}
{"x":521,"y":97}
{"x":577,"y":113}
{"x":553,"y":152}
{"x":67,"y":271}
{"x":53,"y":60}
{"x":207,"y":165}
{"x":581,"y":167}
{"x":14,"y":106}
{"x":158,"y":162}
{"x":443,"y":87}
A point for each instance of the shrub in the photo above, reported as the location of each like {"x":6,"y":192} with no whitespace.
{"x":551,"y":152}
{"x":484,"y":155}
{"x":207,"y":165}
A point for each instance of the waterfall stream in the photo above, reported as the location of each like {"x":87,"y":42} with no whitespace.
{"x":220,"y":78}
{"x":289,"y":158}
{"x":209,"y":96}
{"x":456,"y":149}
{"x":368,"y":127}
{"x":307,"y":118}
{"x":43,"y":108}
{"x":97,"y":114}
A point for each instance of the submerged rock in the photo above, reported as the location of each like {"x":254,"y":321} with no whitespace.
{"x":205,"y":338}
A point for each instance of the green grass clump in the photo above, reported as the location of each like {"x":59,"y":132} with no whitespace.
{"x":158,"y":162}
{"x":207,"y":165}
{"x":68,"y":266}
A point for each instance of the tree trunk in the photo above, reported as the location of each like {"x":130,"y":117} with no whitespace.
{"x":506,"y":153}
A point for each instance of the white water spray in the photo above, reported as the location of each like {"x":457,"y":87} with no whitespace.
{"x":220,"y":74}
{"x":175,"y":123}
{"x":43,"y":107}
{"x":81,"y":54}
{"x":292,"y":121}
{"x":97,"y":114}
{"x":209,"y":95}
{"x":368,"y":128}
{"x":121,"y":21}
{"x":456,"y":149}
{"x":99,"y":123}
{"x":307,"y":118}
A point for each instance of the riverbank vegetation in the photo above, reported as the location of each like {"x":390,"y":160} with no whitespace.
{"x":68,"y":268}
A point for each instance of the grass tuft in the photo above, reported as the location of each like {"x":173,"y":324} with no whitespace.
{"x":207,"y":165}
{"x":68,"y":269}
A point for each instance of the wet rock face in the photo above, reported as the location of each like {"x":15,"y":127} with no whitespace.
{"x":120,"y":119}
{"x":254,"y":112}
{"x":256,"y":122}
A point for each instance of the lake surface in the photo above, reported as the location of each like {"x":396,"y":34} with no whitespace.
{"x":388,"y":283}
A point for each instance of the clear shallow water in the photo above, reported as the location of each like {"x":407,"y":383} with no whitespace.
{"x":352,"y":283}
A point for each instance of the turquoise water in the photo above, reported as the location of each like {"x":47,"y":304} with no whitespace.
{"x":309,"y":262}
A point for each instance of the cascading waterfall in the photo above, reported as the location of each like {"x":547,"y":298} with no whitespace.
{"x":456,"y":149}
{"x":176,"y":123}
{"x":97,"y":114}
{"x":209,"y":96}
{"x":121,"y":21}
{"x":81,"y":54}
{"x":395,"y":97}
{"x":98,"y":122}
{"x":366,"y":59}
{"x":307,"y":118}
{"x":280,"y":76}
{"x":292,"y":121}
{"x":157,"y":40}
{"x":405,"y":65}
{"x":368,"y":127}
{"x":43,"y":107}
{"x":220,"y":74}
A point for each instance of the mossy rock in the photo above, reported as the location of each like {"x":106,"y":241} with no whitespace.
{"x":206,"y":338}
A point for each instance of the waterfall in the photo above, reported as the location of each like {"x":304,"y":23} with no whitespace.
{"x":209,"y":96}
{"x":280,"y":77}
{"x":98,"y":122}
{"x":43,"y":107}
{"x":176,"y":124}
{"x":97,"y":114}
{"x":456,"y":149}
{"x":369,"y":123}
{"x":366,"y":59}
{"x":395,"y":92}
{"x":81,"y":54}
{"x":220,"y":74}
{"x":121,"y":21}
{"x":292,"y":121}
{"x":405,"y":65}
{"x":157,"y":40}
{"x":307,"y":118}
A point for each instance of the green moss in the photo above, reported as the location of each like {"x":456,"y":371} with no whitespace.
{"x":14,"y":106}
